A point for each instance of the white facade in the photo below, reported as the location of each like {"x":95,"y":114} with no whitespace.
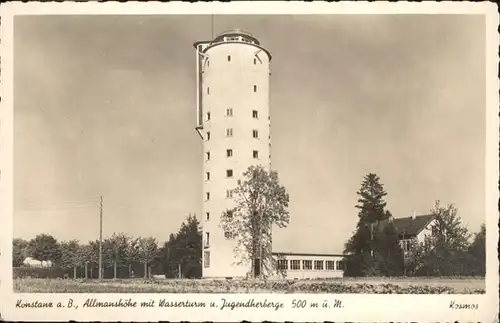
{"x":234,"y":123}
{"x":406,"y":243}
{"x":427,"y":231}
{"x":310,"y":266}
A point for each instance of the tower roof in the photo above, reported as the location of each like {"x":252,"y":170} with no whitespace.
{"x":237,"y":32}
{"x":231,"y":36}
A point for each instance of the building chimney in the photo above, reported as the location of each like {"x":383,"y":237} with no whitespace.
{"x":414,"y":215}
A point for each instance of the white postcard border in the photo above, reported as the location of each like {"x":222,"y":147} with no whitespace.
{"x":357,"y":308}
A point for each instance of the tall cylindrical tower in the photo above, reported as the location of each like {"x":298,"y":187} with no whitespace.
{"x":233,"y":73}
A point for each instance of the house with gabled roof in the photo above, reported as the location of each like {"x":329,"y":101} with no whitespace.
{"x":412,"y":228}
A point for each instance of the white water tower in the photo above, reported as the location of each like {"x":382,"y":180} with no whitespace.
{"x":233,"y":73}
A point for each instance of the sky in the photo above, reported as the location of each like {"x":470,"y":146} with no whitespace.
{"x":106,"y":106}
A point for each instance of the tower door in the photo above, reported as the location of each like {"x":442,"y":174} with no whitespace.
{"x":256,"y":268}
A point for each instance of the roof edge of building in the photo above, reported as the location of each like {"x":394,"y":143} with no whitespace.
{"x":308,"y":254}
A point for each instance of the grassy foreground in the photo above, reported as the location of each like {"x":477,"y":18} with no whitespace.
{"x":334,"y":286}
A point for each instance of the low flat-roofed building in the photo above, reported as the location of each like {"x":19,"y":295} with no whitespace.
{"x":309,"y":265}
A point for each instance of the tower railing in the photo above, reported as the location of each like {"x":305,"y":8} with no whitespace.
{"x":235,"y":31}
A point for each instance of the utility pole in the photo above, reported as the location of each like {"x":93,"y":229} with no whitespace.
{"x":100,"y":240}
{"x":180,"y":272}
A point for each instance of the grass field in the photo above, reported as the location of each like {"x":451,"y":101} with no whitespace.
{"x":336,"y":286}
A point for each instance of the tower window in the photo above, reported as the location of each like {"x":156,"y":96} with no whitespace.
{"x":229,"y":153}
{"x":255,"y":88}
{"x":207,"y":155}
{"x":255,"y":114}
{"x":254,"y":61}
{"x":207,"y":239}
{"x":206,"y":259}
{"x":255,"y":133}
{"x":229,"y":173}
{"x":229,"y":194}
{"x":208,"y":89}
{"x":208,"y":135}
{"x":255,"y":154}
{"x":229,"y":112}
{"x":207,"y":216}
{"x":208,"y":116}
{"x":208,"y":196}
{"x":207,"y":176}
{"x":229,"y":132}
{"x":228,"y":58}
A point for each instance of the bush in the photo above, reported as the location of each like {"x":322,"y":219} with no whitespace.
{"x":45,"y":272}
{"x":60,"y":272}
{"x":242,"y":286}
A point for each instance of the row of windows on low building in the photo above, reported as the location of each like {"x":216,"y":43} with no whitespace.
{"x":282,"y":264}
{"x":254,"y":89}
{"x":295,"y":264}
{"x":229,"y":113}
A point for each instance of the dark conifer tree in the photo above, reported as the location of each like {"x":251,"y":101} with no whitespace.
{"x":389,"y":256}
{"x":365,"y":257}
{"x":184,"y":249}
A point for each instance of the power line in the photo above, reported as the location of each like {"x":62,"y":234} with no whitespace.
{"x":55,"y":205}
{"x":66,"y":201}
{"x":42,"y":208}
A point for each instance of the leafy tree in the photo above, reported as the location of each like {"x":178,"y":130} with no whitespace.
{"x":260,"y":202}
{"x":444,"y":251}
{"x":185,"y":249}
{"x":44,"y":247}
{"x":132,"y":254}
{"x":416,"y":257}
{"x":115,"y":251}
{"x":90,"y":256}
{"x":145,"y":251}
{"x":477,"y":252}
{"x":71,"y":255}
{"x":19,"y":251}
{"x":365,"y":251}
